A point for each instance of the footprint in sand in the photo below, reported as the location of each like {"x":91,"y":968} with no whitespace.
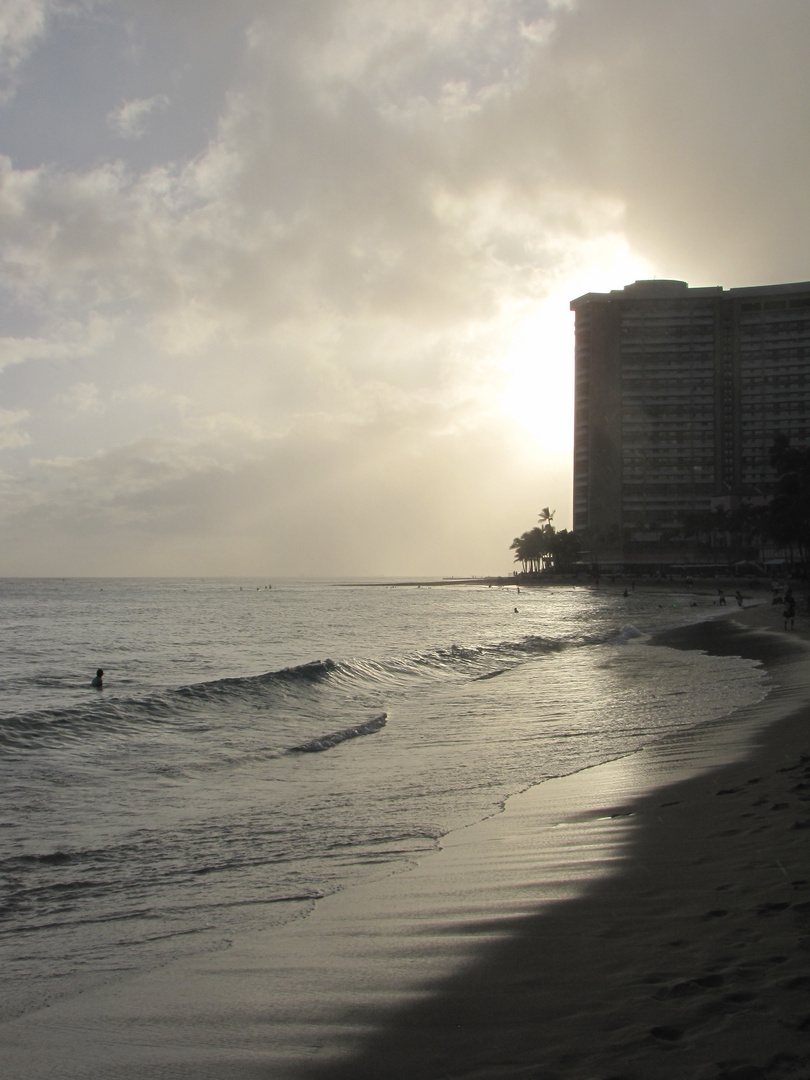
{"x":668,"y":1034}
{"x":772,"y":908}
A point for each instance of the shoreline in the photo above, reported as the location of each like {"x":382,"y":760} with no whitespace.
{"x":619,"y":922}
{"x":610,"y":582}
{"x":691,"y":961}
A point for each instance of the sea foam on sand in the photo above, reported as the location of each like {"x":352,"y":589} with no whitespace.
{"x":663,"y":934}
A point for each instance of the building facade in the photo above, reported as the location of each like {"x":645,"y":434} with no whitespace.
{"x":680,"y":394}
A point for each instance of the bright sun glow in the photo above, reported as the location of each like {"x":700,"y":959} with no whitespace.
{"x":539,"y":396}
{"x":540,"y":393}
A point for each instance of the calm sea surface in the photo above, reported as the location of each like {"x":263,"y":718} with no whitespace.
{"x":256,"y":748}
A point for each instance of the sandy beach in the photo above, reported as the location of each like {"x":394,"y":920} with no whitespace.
{"x":691,"y":960}
{"x":645,"y":918}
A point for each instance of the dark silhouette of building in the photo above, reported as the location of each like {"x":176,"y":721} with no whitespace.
{"x":679,"y":395}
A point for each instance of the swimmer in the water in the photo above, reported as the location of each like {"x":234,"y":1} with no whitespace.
{"x":99,"y":679}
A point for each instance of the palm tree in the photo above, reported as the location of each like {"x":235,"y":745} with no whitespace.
{"x":532,"y":547}
{"x":565,"y":550}
{"x":546,"y":516}
{"x":520,"y":547}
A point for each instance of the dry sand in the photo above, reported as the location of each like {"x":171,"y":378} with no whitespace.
{"x":510,"y":953}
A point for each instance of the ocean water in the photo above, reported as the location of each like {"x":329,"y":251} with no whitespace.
{"x":255,"y":748}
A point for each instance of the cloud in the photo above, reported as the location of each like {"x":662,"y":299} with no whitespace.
{"x":350,"y":305}
{"x":18,"y":350}
{"x":22,"y":23}
{"x":311,"y":502}
{"x":129,"y":120}
{"x":83,"y":398}
{"x":71,"y":340}
{"x":692,"y":116}
{"x":418,"y":162}
{"x":11,"y":438}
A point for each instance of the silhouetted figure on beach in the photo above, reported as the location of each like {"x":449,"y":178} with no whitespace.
{"x":739,"y":598}
{"x":789,"y":613}
{"x":98,"y":682}
{"x":721,"y":598}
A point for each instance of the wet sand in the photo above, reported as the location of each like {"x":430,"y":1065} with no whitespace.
{"x":645,"y":918}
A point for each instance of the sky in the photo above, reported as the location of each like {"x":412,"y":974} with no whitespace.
{"x":284,"y":284}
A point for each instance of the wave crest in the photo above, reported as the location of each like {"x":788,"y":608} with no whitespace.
{"x":326,"y":742}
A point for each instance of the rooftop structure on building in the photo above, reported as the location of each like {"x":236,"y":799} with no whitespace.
{"x":680,"y":394}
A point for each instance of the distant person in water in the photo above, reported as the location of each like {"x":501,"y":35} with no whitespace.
{"x":99,"y":679}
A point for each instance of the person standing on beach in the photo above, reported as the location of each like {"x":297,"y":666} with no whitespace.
{"x":739,"y":598}
{"x":789,"y":613}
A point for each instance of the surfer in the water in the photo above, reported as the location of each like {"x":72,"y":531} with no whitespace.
{"x":99,"y":679}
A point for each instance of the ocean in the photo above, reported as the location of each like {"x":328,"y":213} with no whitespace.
{"x":258,"y":745}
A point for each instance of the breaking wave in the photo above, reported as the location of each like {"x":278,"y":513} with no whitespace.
{"x":326,"y":742}
{"x":309,"y":691}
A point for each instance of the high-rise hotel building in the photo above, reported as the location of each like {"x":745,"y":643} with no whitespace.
{"x":679,"y":395}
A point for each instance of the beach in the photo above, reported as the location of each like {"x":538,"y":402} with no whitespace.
{"x":647,"y":917}
{"x":692,"y":959}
